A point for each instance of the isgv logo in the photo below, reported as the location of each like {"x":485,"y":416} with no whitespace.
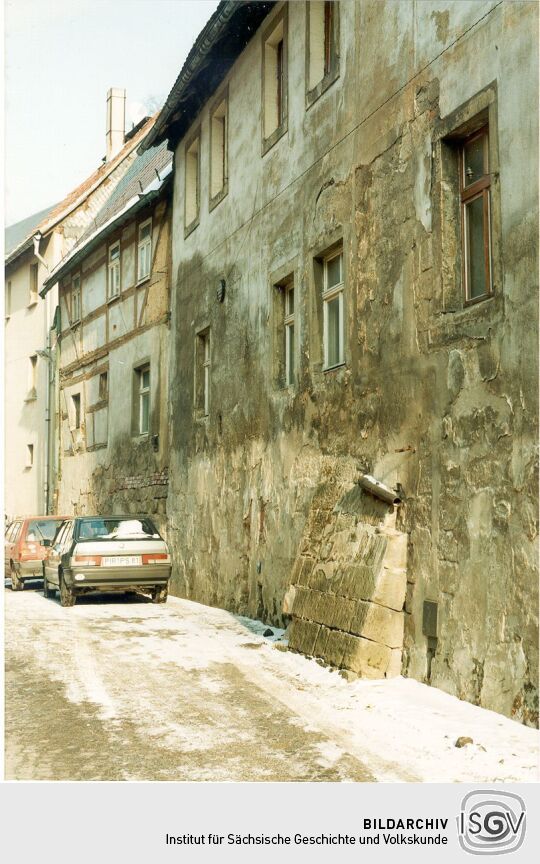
{"x":491,"y":822}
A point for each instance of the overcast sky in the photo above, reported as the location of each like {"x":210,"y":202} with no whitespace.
{"x":61,"y":58}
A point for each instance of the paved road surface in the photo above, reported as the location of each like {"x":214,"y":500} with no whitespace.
{"x":117,"y":688}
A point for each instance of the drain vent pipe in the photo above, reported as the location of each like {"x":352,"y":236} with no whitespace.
{"x":378,"y":489}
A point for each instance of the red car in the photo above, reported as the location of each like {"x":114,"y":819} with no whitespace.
{"x":23,"y":554}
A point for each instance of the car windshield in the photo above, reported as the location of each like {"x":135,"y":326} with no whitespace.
{"x":114,"y":529}
{"x":43,"y":529}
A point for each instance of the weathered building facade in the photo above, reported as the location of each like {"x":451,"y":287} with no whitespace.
{"x":355,"y":287}
{"x":112,"y":350}
{"x":34,"y":248}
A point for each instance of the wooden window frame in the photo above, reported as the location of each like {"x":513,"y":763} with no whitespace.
{"x":329,"y":294}
{"x":479,"y":189}
{"x":214,"y":200}
{"x":75,"y":319}
{"x":203,"y":363}
{"x":113,"y":264}
{"x":289,"y":321}
{"x":330,"y":50}
{"x":146,"y":243}
{"x":282,"y":78}
{"x":142,"y":392}
{"x":190,"y":226}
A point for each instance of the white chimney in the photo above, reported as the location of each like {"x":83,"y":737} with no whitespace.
{"x":116,"y":120}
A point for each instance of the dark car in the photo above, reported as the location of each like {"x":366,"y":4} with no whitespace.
{"x":23,"y":552}
{"x":107,"y":553}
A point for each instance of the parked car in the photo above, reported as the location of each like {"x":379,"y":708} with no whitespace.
{"x":107,"y":553}
{"x":23,"y":552}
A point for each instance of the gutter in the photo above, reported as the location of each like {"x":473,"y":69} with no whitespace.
{"x":132,"y":207}
{"x":187,"y":88}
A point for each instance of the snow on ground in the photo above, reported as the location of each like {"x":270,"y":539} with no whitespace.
{"x":399,"y":729}
{"x":399,"y":721}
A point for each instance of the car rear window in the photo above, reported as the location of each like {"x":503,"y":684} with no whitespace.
{"x":43,"y":529}
{"x":114,"y":529}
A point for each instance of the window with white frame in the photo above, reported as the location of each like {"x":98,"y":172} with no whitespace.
{"x":29,"y":455}
{"x":202,"y":373}
{"x":333,"y":316}
{"x":113,"y":284}
{"x":142,"y":378}
{"x":289,"y":327}
{"x":75,"y":299}
{"x":144,"y":250}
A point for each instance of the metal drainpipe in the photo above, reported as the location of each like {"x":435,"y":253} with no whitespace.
{"x":48,"y":404}
{"x":37,"y":238}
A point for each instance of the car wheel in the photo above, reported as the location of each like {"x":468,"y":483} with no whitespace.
{"x":160,"y":594}
{"x":16,"y":583}
{"x":48,"y":591}
{"x":67,"y":596}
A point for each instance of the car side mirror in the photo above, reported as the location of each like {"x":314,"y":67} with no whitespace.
{"x":45,"y":542}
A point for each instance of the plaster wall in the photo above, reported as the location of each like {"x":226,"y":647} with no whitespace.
{"x":25,"y":332}
{"x":106,"y":467}
{"x":438,"y":397}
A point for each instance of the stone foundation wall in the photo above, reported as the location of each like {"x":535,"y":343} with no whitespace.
{"x":349,"y":586}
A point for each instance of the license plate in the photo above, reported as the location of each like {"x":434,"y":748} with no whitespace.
{"x":121,"y":561}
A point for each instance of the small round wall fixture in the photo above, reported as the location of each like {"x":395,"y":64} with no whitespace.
{"x":220,"y":293}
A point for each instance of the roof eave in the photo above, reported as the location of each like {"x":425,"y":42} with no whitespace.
{"x":102,"y":233}
{"x":214,"y":52}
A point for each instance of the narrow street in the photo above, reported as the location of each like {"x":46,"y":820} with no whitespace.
{"x":117,"y":688}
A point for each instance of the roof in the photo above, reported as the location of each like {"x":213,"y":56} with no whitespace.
{"x":23,"y":230}
{"x":83,"y":190}
{"x":218,"y":45}
{"x":143,"y":182}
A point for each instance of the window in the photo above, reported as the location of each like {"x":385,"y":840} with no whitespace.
{"x":32,"y":376}
{"x":7,"y":311}
{"x":144,"y":250}
{"x":142,"y":380}
{"x":274,"y":81}
{"x":192,"y":195}
{"x":75,"y":299}
{"x":218,"y":152}
{"x":76,"y":410}
{"x":289,"y":334}
{"x":113,"y":286}
{"x":29,"y":455}
{"x":323,"y":38}
{"x":202,"y":373}
{"x":33,"y":295}
{"x":475,"y":184}
{"x":103,"y":386}
{"x":333,"y":340}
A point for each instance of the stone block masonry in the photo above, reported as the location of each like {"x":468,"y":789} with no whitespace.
{"x":347,"y":600}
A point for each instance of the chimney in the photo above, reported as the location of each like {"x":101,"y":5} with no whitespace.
{"x":116,"y":119}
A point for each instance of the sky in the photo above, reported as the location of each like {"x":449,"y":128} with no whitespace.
{"x":61,"y":58}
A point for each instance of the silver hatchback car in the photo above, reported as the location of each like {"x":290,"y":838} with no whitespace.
{"x":107,"y":553}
